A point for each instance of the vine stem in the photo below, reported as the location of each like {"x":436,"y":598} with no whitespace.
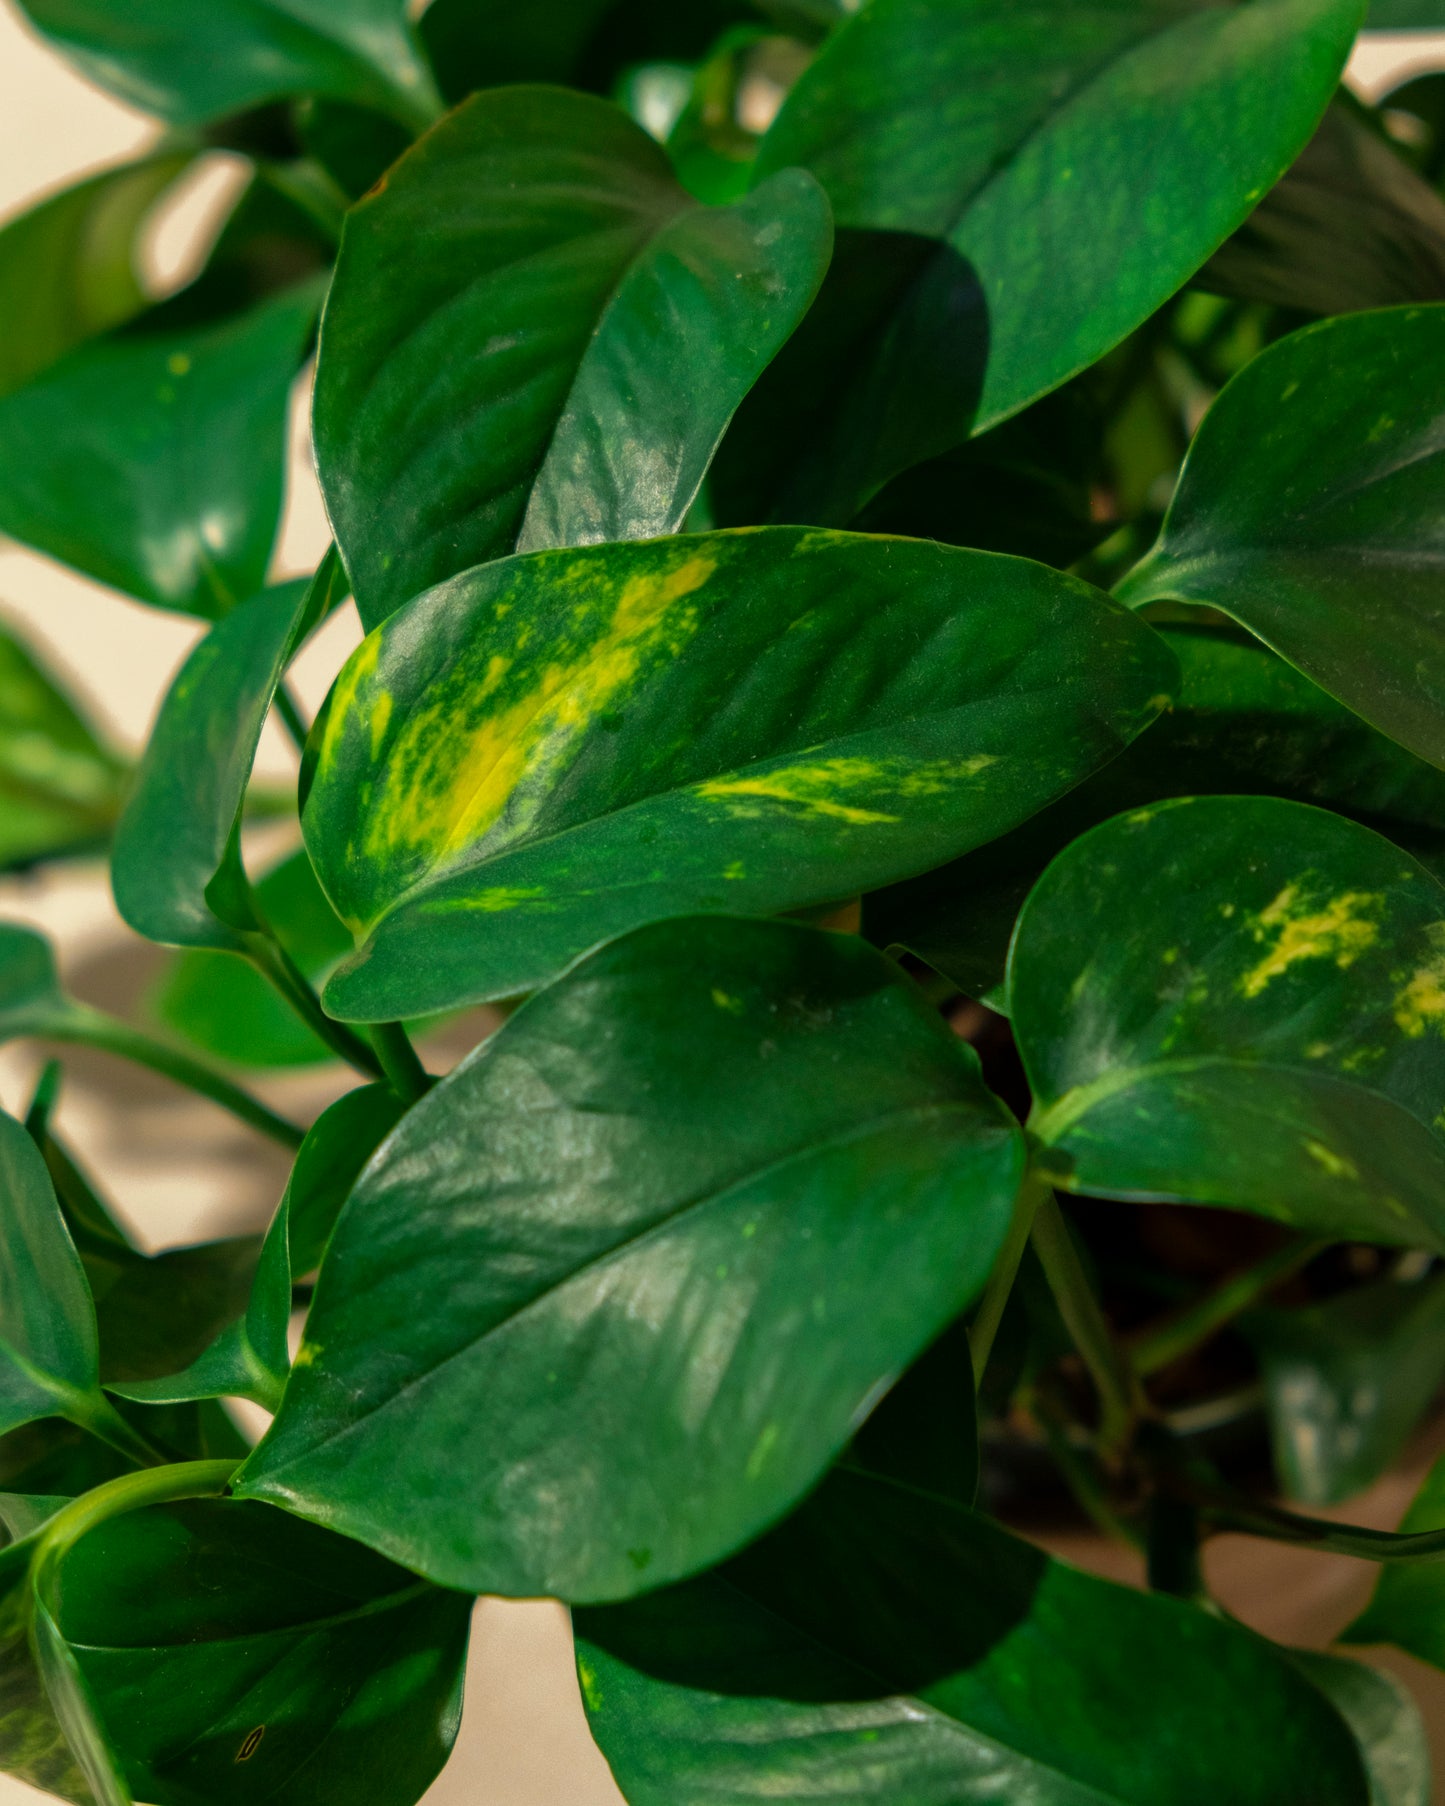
{"x":406,"y":1075}
{"x":984,"y":1328}
{"x":131,"y":1492}
{"x":275,"y":965}
{"x":1085,"y":1322}
{"x":93,"y":1028}
{"x":1166,"y":1342}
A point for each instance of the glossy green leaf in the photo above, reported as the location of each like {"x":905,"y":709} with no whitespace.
{"x":163,"y":1309}
{"x":678,"y":1224}
{"x":48,"y":1349}
{"x":228,"y":1008}
{"x":552,"y":749}
{"x":249,"y":1357}
{"x":1244,"y":722}
{"x":1063,"y":160}
{"x":154,"y":459}
{"x":159,"y":56}
{"x":60,"y":786}
{"x":1386,"y":1723}
{"x":173,"y":864}
{"x":561,"y":364}
{"x":885,"y":1644}
{"x":1310,"y":510}
{"x":1350,"y":226}
{"x":1347,"y":1382}
{"x":1408,"y":1604}
{"x":233,"y":1653}
{"x":68,"y":266}
{"x":1239,"y":1001}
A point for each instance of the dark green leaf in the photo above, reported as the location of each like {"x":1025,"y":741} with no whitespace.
{"x":1406,"y":15}
{"x":352,"y":144}
{"x":678,"y":1224}
{"x":561,"y":364}
{"x":48,"y":1350}
{"x":164,"y":1309}
{"x":154,"y":459}
{"x":249,"y":1357}
{"x":1097,"y":124}
{"x":159,"y":56}
{"x":68,"y":267}
{"x":1244,"y":722}
{"x":228,"y":1008}
{"x":549,"y":750}
{"x":884,"y":1644}
{"x":1347,"y":1381}
{"x":1310,"y":509}
{"x":1408,"y":1606}
{"x":1350,"y":226}
{"x":176,"y":848}
{"x":1240,"y":1001}
{"x":925,"y":1432}
{"x":60,"y":788}
{"x":1386,"y":1723}
{"x":235,"y":1654}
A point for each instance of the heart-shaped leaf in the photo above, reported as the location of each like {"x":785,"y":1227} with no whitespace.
{"x":1132,"y":139}
{"x":154,"y":459}
{"x":249,"y":1358}
{"x":159,"y":56}
{"x":552,"y":749}
{"x":232,"y":1653}
{"x":1310,"y":509}
{"x":60,"y":787}
{"x":536,"y":337}
{"x":1408,"y":1604}
{"x":176,"y":846}
{"x":1385,"y":1721}
{"x":1347,"y":1381}
{"x":1277,"y":1047}
{"x":678,"y":1224}
{"x":1244,"y":722}
{"x":886,"y":1644}
{"x":68,"y":267}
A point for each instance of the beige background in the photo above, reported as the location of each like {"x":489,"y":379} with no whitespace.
{"x":179,"y":1171}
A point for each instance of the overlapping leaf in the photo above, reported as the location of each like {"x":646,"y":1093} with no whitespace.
{"x":677,"y":1224}
{"x":154,"y":459}
{"x":551,"y":749}
{"x":1310,"y":510}
{"x":887,"y":1644}
{"x":60,"y":786}
{"x":1239,"y":1001}
{"x":536,"y":337}
{"x":1049,"y":174}
{"x":1386,"y":1723}
{"x":158,"y":56}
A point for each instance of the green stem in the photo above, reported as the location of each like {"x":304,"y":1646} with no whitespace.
{"x":1166,"y":1342}
{"x":984,"y":1328}
{"x":408,"y":1078}
{"x":1085,"y":1322}
{"x":1242,"y":1515}
{"x":93,"y":1028}
{"x":275,"y":965}
{"x":100,"y":1417}
{"x":1081,"y":1482}
{"x":131,"y":1492}
{"x":292,"y":719}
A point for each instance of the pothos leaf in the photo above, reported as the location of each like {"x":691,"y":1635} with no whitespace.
{"x":1309,"y":509}
{"x":552,"y":749}
{"x":1385,"y":1721}
{"x":176,"y":841}
{"x":1098,"y":124}
{"x":1277,"y":1048}
{"x":154,"y":459}
{"x":158,"y":56}
{"x":536,"y":337}
{"x":68,"y":267}
{"x":883,"y":1643}
{"x":678,"y":1223}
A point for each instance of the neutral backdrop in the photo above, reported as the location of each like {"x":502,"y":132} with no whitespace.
{"x":178,"y":1171}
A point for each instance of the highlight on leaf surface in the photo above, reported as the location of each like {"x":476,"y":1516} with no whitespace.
{"x":536,"y":337}
{"x":1309,"y":509}
{"x":679,"y":1224}
{"x":1279,"y":1049}
{"x":551,"y":749}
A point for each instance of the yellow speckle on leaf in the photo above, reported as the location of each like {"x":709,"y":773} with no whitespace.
{"x":725,"y":1001}
{"x":1340,"y":930}
{"x":736,"y":869}
{"x":807,"y":787}
{"x":762,"y":1448}
{"x":178,"y":363}
{"x":1420,"y":1002}
{"x":587,"y":1680}
{"x":381,"y":707}
{"x":497,"y":897}
{"x":1334,"y":1164}
{"x":306,"y":1354}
